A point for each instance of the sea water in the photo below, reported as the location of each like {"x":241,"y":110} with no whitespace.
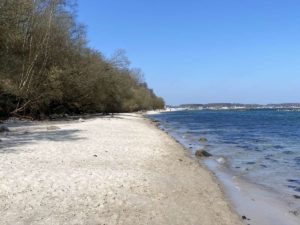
{"x":262,"y":146}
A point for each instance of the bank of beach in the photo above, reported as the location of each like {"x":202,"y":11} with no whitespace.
{"x":120,"y":170}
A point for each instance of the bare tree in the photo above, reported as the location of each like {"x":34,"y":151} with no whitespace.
{"x":46,"y":66}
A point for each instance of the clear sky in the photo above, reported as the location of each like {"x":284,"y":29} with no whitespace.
{"x":200,"y":51}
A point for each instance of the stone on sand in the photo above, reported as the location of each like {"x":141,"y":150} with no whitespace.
{"x":3,"y":128}
{"x":202,"y":153}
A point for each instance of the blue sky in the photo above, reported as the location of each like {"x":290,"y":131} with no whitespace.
{"x":200,"y":51}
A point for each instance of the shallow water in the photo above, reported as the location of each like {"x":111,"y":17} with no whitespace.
{"x":262,"y":146}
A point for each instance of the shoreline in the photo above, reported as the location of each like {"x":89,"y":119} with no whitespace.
{"x":260,"y":204}
{"x":257,"y":205}
{"x":120,"y":170}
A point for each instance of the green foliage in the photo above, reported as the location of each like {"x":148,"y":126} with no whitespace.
{"x":46,"y":66}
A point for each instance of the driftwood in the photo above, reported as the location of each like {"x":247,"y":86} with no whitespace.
{"x":22,"y":116}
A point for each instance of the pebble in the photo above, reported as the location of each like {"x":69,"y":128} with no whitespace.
{"x":52,"y":128}
{"x":245,"y":218}
{"x":202,"y":153}
{"x":3,"y":129}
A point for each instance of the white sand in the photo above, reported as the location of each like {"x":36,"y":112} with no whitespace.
{"x":104,"y":171}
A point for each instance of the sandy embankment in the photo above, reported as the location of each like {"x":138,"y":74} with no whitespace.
{"x":104,"y":171}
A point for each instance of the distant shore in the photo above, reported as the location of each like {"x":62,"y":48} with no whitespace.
{"x":120,"y":170}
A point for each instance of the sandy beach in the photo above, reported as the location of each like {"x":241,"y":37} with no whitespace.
{"x":120,"y":170}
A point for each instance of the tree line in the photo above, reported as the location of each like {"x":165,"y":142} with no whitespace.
{"x":46,"y":66}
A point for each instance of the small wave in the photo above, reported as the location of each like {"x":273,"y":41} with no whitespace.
{"x":221,"y":160}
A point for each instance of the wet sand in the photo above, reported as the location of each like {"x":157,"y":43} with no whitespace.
{"x":120,"y":170}
{"x":259,"y":205}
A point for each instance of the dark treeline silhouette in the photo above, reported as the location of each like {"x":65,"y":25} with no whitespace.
{"x":47,"y":68}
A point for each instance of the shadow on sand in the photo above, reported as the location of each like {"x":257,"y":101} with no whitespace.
{"x":11,"y":140}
